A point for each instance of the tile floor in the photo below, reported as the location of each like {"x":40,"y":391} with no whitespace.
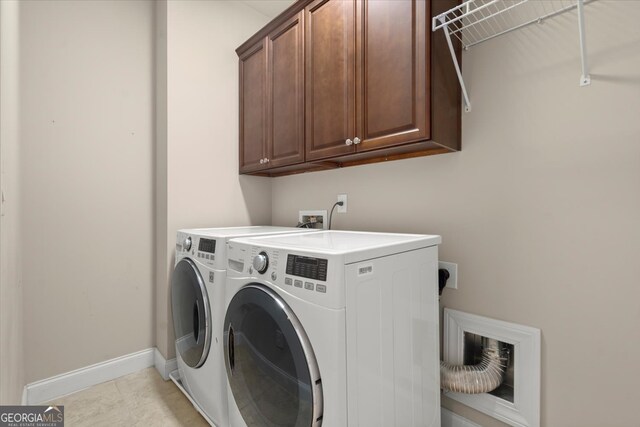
{"x":139,"y":399}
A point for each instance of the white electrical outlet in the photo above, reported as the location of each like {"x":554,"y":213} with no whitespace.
{"x":452,"y":268}
{"x":342,"y":198}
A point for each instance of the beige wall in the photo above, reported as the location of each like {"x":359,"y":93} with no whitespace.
{"x":89,"y":72}
{"x":11,"y":326}
{"x":198,"y":140}
{"x":87,"y":181}
{"x":540,"y":208}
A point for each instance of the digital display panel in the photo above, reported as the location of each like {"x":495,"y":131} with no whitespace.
{"x":207,"y":245}
{"x":308,"y":267}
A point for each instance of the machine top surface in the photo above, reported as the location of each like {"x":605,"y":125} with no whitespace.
{"x":343,"y":242}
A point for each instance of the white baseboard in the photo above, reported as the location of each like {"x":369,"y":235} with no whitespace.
{"x":24,"y":396}
{"x":451,"y":419}
{"x":164,"y":366}
{"x":70,"y":382}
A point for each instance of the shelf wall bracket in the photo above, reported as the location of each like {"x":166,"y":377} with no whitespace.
{"x":476,"y":21}
{"x":454,"y":58}
{"x":585,"y":79}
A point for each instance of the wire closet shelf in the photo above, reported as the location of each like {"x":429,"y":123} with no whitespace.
{"x":476,"y":21}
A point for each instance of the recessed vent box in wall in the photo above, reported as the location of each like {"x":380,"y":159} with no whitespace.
{"x":517,"y":400}
{"x":385,"y":90}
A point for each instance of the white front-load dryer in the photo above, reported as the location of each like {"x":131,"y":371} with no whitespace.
{"x":332,"y":328}
{"x":198,"y":304}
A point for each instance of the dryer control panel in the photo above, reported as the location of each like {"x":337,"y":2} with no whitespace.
{"x":313,"y":277}
{"x":307,"y":267}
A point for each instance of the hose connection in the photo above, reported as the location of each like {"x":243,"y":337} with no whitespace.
{"x":484,"y":377}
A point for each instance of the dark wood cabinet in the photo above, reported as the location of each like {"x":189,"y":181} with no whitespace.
{"x":393,"y":100}
{"x":347,"y":82}
{"x":285,"y":111}
{"x":253,"y":108}
{"x":330,"y":72}
{"x":272,"y":99}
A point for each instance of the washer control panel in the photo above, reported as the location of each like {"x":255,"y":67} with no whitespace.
{"x":186,"y":244}
{"x":207,"y":245}
{"x":198,"y":248}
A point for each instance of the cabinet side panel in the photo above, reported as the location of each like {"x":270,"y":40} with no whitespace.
{"x":447,"y":106}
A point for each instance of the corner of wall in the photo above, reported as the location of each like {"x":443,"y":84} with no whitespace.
{"x":160,"y":170}
{"x":12,"y":369}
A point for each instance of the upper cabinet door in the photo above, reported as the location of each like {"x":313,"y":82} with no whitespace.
{"x":253,"y":107}
{"x":393,"y":78}
{"x":285,"y":110}
{"x":331,"y":83}
{"x":330,"y":78}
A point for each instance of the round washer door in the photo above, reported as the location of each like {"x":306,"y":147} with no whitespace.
{"x":191,"y":316}
{"x":271,"y":367}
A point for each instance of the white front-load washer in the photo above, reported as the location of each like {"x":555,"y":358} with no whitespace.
{"x":333,"y":328}
{"x":198,"y":304}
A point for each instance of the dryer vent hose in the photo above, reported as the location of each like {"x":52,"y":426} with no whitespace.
{"x":484,"y":377}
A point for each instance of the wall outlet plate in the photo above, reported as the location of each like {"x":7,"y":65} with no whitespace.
{"x":319,"y":216}
{"x":342,"y":198}
{"x":452,"y":268}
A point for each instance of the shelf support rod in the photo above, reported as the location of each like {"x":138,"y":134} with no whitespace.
{"x":445,"y":28}
{"x":585,"y":79}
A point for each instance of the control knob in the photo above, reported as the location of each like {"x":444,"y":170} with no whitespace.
{"x":261,"y":262}
{"x":186,"y":245}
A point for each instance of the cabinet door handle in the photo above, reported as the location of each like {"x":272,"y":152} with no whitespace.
{"x":261,"y":161}
{"x":266,"y":160}
{"x":348,"y":142}
{"x":356,"y":140}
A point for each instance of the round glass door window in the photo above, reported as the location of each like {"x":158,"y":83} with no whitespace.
{"x":270,"y":364}
{"x":191,"y":317}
